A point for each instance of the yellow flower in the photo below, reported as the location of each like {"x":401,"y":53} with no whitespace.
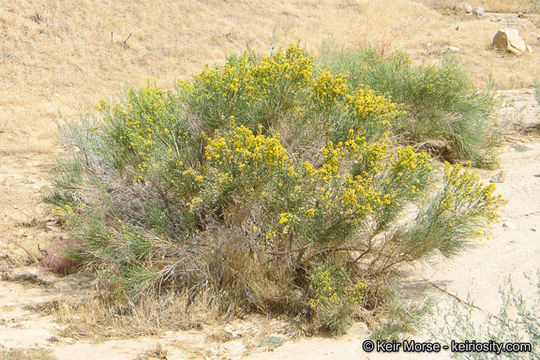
{"x":284,"y":218}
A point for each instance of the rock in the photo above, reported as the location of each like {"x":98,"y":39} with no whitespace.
{"x":478,"y":11}
{"x":466,"y":8}
{"x":510,"y":226}
{"x":452,"y":49}
{"x":497,"y":178}
{"x":529,"y":49}
{"x":522,"y":15}
{"x":271,"y":341}
{"x":508,"y":39}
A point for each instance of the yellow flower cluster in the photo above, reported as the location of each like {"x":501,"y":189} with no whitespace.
{"x":226,"y":81}
{"x":466,"y":198}
{"x":240,"y":163}
{"x":332,"y":289}
{"x":410,"y":170}
{"x":284,"y":218}
{"x":142,"y":124}
{"x":409,"y":159}
{"x":367,"y":104}
{"x":290,"y":65}
{"x":326,"y":90}
{"x":63,"y":210}
{"x":380,"y":176}
{"x":240,"y":148}
{"x":248,"y":82}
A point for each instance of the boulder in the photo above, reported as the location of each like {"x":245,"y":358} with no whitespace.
{"x":509,"y":40}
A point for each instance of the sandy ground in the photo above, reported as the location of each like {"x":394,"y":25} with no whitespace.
{"x":37,"y":85}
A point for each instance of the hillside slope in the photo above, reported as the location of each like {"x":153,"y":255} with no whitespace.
{"x":64,"y":56}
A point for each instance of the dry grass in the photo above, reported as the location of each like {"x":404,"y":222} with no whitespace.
{"x":27,"y":355}
{"x":62,"y":57}
{"x":101,"y":318}
{"x":157,"y":352}
{"x":506,"y":6}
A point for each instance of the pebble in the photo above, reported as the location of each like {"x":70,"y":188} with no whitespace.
{"x":498,"y":177}
{"x":478,"y":11}
{"x":510,"y":226}
{"x":452,"y":49}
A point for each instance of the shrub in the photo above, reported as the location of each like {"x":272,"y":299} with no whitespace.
{"x":266,"y":184}
{"x":441,"y":101}
{"x":335,"y":296}
{"x":403,"y":316}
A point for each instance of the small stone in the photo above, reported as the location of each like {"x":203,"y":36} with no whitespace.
{"x":498,"y":177}
{"x":510,"y":226}
{"x":53,"y":339}
{"x":522,"y":16}
{"x":452,"y":49}
{"x":533,"y":229}
{"x":529,"y":49}
{"x":478,"y":11}
{"x":271,"y":341}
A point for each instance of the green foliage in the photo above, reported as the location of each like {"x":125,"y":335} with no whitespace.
{"x":440,"y":100}
{"x":457,"y":214}
{"x":404,"y":317}
{"x":255,"y":90}
{"x":267,"y":184}
{"x":517,"y":321}
{"x":520,"y":148}
{"x":335,"y":296}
